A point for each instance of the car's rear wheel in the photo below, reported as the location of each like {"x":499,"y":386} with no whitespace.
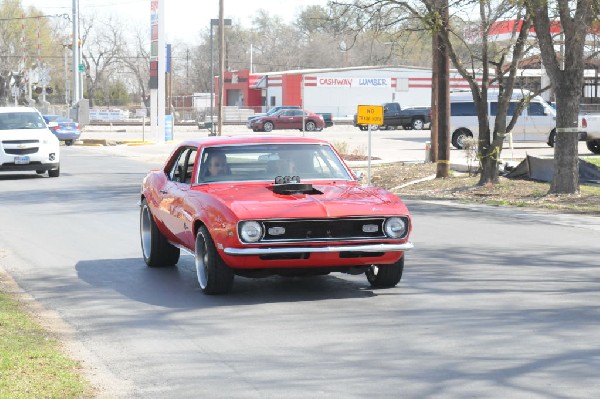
{"x":593,"y":146}
{"x":310,"y":126}
{"x":54,"y":172}
{"x":69,"y":142}
{"x":268,"y":126}
{"x":214,"y":276}
{"x":418,"y":124}
{"x":385,"y":276}
{"x":157,"y":251}
{"x":459,"y":136}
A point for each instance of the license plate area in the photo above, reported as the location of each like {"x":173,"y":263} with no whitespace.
{"x":22,"y":160}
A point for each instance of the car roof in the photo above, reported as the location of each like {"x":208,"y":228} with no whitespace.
{"x":241,"y":140}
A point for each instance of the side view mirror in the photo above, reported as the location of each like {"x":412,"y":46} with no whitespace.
{"x":359,"y":175}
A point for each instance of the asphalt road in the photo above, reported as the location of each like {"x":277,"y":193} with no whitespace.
{"x":493,"y":303}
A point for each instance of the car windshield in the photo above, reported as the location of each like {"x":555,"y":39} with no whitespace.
{"x":21,"y":120}
{"x":262,"y":162}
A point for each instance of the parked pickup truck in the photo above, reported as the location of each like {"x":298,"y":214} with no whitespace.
{"x":409,"y":118}
{"x":590,"y":124}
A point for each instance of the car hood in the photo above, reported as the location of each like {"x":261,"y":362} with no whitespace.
{"x":339,"y":199}
{"x":27,"y":134}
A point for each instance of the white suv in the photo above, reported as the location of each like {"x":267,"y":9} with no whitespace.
{"x":26,"y":143}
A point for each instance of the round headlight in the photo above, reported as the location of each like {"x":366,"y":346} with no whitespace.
{"x":250,"y":231}
{"x":395,"y":227}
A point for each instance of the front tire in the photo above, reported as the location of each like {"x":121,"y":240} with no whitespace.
{"x":593,"y":146}
{"x":385,"y":276}
{"x":214,"y":276}
{"x":268,"y":126}
{"x":157,"y":251}
{"x":54,"y":172}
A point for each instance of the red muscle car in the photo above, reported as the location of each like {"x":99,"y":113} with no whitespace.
{"x":258,"y":206}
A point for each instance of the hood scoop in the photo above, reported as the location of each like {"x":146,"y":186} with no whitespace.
{"x":295,"y":188}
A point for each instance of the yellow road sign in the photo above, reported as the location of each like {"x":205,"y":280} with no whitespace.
{"x":370,"y":115}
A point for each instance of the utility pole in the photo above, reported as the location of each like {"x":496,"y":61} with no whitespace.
{"x":221,"y":65}
{"x":75,"y":49}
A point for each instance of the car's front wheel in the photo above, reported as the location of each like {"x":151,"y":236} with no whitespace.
{"x":268,"y":126}
{"x":54,"y":172}
{"x":214,"y":276}
{"x":157,"y":251}
{"x":385,"y":276}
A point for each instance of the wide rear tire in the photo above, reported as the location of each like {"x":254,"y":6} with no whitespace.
{"x":214,"y":276}
{"x":310,"y":126}
{"x":385,"y":276}
{"x":157,"y":251}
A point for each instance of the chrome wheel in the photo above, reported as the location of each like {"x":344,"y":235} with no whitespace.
{"x":146,"y":232}
{"x":201,"y":261}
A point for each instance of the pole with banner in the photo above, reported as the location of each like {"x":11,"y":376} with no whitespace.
{"x":369,"y":115}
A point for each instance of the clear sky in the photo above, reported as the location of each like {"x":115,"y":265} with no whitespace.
{"x":184,"y":18}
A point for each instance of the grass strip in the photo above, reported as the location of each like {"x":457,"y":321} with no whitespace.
{"x":32,"y":364}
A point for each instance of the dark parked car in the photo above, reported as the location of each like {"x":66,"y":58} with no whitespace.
{"x":64,"y":129}
{"x":289,"y":119}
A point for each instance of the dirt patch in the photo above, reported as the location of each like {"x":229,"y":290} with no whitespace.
{"x":410,"y":180}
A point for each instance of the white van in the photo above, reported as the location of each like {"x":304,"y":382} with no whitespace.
{"x":537,"y":121}
{"x":26,"y":143}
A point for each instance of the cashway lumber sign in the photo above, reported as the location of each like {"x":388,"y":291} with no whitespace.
{"x":370,"y":115}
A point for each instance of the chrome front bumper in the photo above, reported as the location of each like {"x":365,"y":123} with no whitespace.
{"x":341,"y":248}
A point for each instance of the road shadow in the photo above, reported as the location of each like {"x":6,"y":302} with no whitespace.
{"x":177,"y":287}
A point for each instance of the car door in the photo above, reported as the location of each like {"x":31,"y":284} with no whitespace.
{"x":288,"y":119}
{"x":538,"y":123}
{"x":173,"y":207}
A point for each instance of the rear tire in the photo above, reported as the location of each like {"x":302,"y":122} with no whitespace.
{"x":214,"y":276}
{"x":310,"y":126}
{"x":157,"y":251}
{"x":593,"y":146}
{"x":459,"y":136}
{"x":418,"y":124}
{"x":385,"y":276}
{"x":69,"y":142}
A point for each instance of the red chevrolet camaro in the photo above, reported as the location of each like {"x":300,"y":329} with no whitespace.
{"x":257,"y":206}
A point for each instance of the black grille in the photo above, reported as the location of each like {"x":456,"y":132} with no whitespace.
{"x":20,"y":141}
{"x":323,"y":229}
{"x":21,"y":151}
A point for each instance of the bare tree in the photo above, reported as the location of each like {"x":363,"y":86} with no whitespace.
{"x":474,"y":60}
{"x":103,"y":47}
{"x":566,"y":75}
